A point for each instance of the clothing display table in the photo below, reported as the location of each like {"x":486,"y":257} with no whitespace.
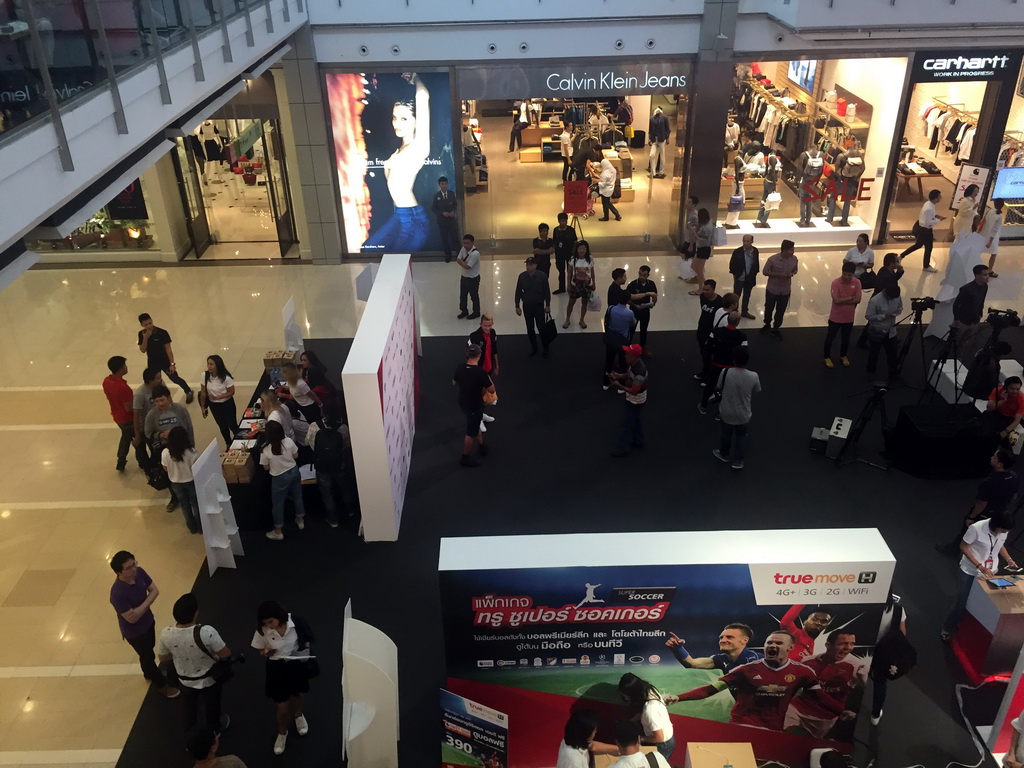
{"x":910,"y":178}
{"x":991,"y":635}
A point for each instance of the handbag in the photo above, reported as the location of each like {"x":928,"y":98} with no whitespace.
{"x":841,"y":107}
{"x":736,"y":203}
{"x":719,"y":236}
{"x":868,"y":280}
{"x":594,"y":303}
{"x":851,"y":110}
{"x":156,"y":475}
{"x":830,"y":97}
{"x":222,"y":669}
{"x":548,"y":331}
{"x":773,"y":201}
{"x":490,"y":398}
{"x":686,"y":270}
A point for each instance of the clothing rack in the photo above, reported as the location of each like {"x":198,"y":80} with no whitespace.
{"x":968,"y":116}
{"x":775,"y":101}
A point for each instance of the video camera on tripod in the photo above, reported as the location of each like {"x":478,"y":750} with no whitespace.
{"x":1001,"y":319}
{"x":922,"y":304}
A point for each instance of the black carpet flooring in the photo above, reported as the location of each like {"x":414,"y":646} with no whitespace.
{"x":549,"y":471}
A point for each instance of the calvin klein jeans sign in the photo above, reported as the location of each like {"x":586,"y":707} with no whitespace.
{"x":564,"y":79}
{"x":943,"y":66}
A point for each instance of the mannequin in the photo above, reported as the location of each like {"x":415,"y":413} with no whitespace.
{"x":810,"y":164}
{"x":212,"y":145}
{"x":194,"y":144}
{"x":732,"y":135}
{"x":849,"y":169}
{"x":772,"y":171}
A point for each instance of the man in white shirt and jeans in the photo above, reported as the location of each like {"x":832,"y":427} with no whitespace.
{"x":982,"y":546}
{"x":924,"y":236}
{"x":627,"y":739}
{"x":193,"y":664}
{"x":469,"y":283}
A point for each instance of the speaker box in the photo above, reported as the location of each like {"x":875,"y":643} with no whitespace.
{"x":940,"y":441}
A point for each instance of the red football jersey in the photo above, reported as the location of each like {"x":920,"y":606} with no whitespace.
{"x":803,"y":643}
{"x":763,"y":693}
{"x":837,"y":681}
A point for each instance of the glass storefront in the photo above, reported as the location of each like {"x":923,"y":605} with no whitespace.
{"x":124,"y":224}
{"x":498,"y":140}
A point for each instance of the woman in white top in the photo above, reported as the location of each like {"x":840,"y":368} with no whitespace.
{"x":598,"y":119}
{"x":578,"y":744}
{"x":966,"y":211}
{"x":217,"y":394}
{"x":275,"y":410}
{"x":581,"y":281}
{"x":280,"y":635}
{"x":606,"y":188}
{"x":177,"y":459}
{"x":991,"y":229}
{"x":650,"y":711}
{"x":278,"y":457}
{"x":305,"y":398}
{"x":861,"y":256}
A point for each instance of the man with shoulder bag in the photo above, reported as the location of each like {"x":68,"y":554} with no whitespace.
{"x":202,"y":661}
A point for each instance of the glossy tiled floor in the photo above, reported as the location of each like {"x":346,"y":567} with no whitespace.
{"x":69,"y":687}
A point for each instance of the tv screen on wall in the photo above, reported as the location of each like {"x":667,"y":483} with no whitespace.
{"x":802,"y":73}
{"x":1009,"y":184}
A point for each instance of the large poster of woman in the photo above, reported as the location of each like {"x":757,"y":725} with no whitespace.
{"x":392,"y":141}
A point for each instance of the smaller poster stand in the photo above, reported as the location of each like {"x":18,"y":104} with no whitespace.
{"x":369,"y":688}
{"x":216,"y":515}
{"x":472,"y":734}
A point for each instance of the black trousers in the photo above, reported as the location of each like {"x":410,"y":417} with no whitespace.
{"x":127,"y":433}
{"x":226,"y":416}
{"x":449,"y":228}
{"x":533,"y":314}
{"x":516,"y":137}
{"x":841,"y":329}
{"x":743,"y":289}
{"x":469,"y":287}
{"x":566,"y":169}
{"x":607,"y":205}
{"x":711,"y":375}
{"x":614,"y":360}
{"x":143,"y":645}
{"x":923,"y":238}
{"x":643,"y":320}
{"x":202,"y":707}
{"x":173,"y":376}
{"x":875,"y":345}
{"x":774,"y":303}
{"x":560,"y":262}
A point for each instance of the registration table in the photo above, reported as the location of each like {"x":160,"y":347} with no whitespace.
{"x":991,"y":634}
{"x":714,"y":754}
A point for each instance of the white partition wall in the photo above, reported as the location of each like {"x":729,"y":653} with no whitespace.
{"x":369,"y":688}
{"x":216,"y":515}
{"x":381,"y":389}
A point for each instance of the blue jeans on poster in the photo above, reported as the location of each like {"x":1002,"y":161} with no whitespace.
{"x":188,"y":502}
{"x":406,"y":230}
{"x":964,"y":582}
{"x":284,"y":486}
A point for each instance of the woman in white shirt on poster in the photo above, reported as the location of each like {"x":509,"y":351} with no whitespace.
{"x":217,"y":394}
{"x":279,"y":637}
{"x":177,"y":459}
{"x":279,"y":458}
{"x":578,"y":745}
{"x":991,"y":230}
{"x":652,"y":713}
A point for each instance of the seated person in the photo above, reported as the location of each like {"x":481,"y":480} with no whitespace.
{"x":1005,"y":408}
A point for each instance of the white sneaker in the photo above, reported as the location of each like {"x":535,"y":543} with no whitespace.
{"x":488,"y":418}
{"x":275,"y":536}
{"x":930,"y":269}
{"x":301,"y":523}
{"x":874,"y":720}
{"x":483,"y":427}
{"x":301,"y":725}
{"x":279,"y":743}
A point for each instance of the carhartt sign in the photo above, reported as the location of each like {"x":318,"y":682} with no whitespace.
{"x":985,"y":64}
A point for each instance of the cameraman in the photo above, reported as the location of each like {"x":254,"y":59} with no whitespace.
{"x":883,"y":309}
{"x":195,"y":648}
{"x":1005,"y":408}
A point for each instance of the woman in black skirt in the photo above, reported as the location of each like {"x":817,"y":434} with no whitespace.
{"x":280,"y":637}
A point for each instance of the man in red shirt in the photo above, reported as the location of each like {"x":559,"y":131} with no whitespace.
{"x":804,"y":636}
{"x":1005,"y":407}
{"x":763,"y":689}
{"x":119,"y":395}
{"x":839,"y":674}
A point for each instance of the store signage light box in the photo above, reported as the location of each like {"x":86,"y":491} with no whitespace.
{"x":1009,"y":184}
{"x":561,"y":80}
{"x":986,"y":64}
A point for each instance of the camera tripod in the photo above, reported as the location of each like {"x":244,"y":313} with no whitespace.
{"x":916,"y":331}
{"x":875,"y":404}
{"x":949,"y":350}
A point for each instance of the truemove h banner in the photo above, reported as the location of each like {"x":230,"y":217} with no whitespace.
{"x":569,"y":79}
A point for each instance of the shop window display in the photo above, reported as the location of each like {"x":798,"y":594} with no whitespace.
{"x":123,"y":224}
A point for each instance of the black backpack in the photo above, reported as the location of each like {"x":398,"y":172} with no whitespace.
{"x":894,"y":655}
{"x":328,"y":449}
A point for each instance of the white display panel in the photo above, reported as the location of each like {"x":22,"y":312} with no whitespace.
{"x":380,"y":382}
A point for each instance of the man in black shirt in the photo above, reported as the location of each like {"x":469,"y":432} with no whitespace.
{"x":444,"y":208}
{"x":643,"y":295}
{"x":155,"y":343}
{"x":534,"y":294}
{"x":617,"y":287}
{"x":543,"y":247}
{"x":710,"y":303}
{"x":995,"y":494}
{"x":969,"y":306}
{"x":721,"y":346}
{"x":472,"y":380}
{"x":564,"y":238}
